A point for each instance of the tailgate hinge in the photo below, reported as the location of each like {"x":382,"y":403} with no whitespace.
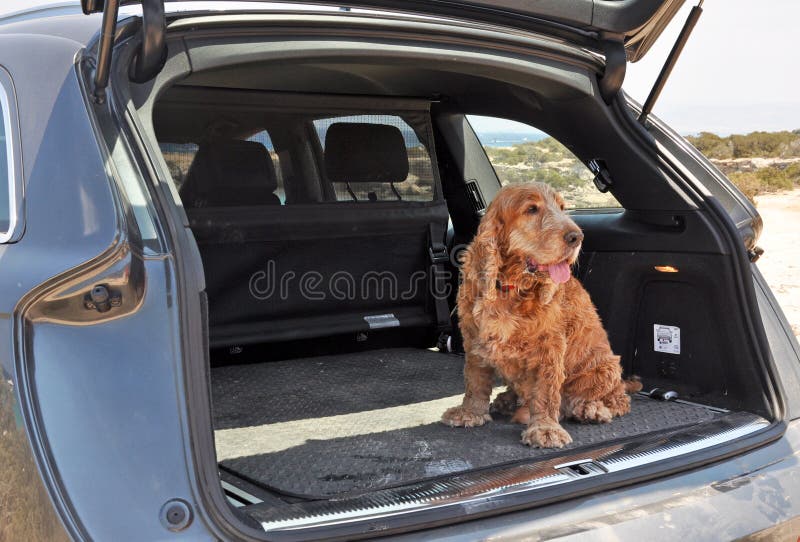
{"x":152,"y":53}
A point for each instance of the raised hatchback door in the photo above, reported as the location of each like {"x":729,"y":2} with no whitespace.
{"x":636,"y":23}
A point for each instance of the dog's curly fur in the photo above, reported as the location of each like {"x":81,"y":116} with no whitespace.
{"x":544,"y":339}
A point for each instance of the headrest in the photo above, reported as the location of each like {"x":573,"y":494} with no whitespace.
{"x":229,"y":172}
{"x":365,"y":153}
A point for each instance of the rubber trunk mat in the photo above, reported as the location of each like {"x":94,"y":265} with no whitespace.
{"x":323,"y":426}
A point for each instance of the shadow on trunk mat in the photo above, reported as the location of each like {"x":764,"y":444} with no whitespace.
{"x":323,"y":426}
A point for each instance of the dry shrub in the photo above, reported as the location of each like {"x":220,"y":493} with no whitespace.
{"x":26,"y":513}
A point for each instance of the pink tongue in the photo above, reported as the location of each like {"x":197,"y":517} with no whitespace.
{"x":559,"y":272}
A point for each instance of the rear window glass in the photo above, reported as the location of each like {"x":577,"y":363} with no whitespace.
{"x":180,"y":156}
{"x":417,"y":186}
{"x":5,"y":173}
{"x":520,"y":154}
{"x":10,"y":172}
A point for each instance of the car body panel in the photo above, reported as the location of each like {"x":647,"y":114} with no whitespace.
{"x":782,"y":342}
{"x":103,"y":402}
{"x":87,"y":404}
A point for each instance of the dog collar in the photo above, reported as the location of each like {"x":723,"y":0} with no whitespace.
{"x":530,"y":267}
{"x":504,"y":287}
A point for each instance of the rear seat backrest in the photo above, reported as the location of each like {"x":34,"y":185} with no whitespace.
{"x":260,"y":263}
{"x":230,"y":173}
{"x":365,"y":153}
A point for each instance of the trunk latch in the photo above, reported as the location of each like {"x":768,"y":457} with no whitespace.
{"x":582,"y":468}
{"x":755,"y":253}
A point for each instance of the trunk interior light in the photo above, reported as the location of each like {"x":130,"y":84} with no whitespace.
{"x":666,"y":269}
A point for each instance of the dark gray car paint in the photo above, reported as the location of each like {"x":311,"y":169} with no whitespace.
{"x":108,"y":426}
{"x":99,"y":402}
{"x":29,"y":513}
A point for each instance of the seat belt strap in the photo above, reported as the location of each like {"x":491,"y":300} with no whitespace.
{"x":437,"y":250}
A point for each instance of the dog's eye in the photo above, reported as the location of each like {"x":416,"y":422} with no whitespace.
{"x":533,"y":209}
{"x":563,"y":207}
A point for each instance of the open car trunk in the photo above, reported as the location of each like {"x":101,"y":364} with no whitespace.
{"x":303,"y":443}
{"x":326,"y":401}
{"x":342,"y":425}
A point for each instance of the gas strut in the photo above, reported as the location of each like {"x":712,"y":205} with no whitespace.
{"x":666,"y":70}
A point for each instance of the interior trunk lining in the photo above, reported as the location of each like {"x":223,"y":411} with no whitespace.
{"x":344,"y":424}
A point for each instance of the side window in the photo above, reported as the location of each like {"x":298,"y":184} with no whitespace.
{"x":10,"y":181}
{"x":520,"y":153}
{"x":179,"y":158}
{"x":419,"y":185}
{"x":5,"y":171}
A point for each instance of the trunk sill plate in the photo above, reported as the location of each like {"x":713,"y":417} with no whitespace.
{"x":475,"y":489}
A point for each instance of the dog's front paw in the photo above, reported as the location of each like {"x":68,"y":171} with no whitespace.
{"x":546,"y":436}
{"x":460,"y":417}
{"x":591,"y":412}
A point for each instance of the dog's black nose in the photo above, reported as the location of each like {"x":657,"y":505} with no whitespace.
{"x":573,"y":237}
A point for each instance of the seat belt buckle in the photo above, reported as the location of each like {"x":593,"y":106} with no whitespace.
{"x":438,"y":255}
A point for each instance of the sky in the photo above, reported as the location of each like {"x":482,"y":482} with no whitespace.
{"x":739,"y":72}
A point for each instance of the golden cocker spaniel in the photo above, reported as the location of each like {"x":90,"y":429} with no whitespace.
{"x":524,"y":317}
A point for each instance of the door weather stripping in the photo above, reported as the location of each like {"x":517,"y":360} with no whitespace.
{"x":666,"y":70}
{"x":152,"y":52}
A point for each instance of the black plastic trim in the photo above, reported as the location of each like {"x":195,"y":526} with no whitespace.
{"x":616,"y":63}
{"x":562,"y":27}
{"x":739,"y":257}
{"x":152,"y":52}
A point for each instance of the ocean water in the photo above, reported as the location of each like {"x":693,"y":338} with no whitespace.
{"x":487,"y":139}
{"x":507,"y":139}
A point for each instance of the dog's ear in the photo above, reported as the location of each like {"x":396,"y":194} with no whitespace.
{"x":482,"y":264}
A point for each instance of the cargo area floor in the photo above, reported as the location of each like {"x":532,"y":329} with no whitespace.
{"x":325,"y":426}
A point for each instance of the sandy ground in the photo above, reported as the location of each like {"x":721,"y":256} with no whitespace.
{"x":780,"y":240}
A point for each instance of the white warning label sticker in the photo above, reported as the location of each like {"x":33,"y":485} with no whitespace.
{"x":666,"y":339}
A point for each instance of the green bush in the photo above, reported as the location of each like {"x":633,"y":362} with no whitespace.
{"x":753,"y":145}
{"x":530,"y":154}
{"x":551,"y":162}
{"x":767,"y":179}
